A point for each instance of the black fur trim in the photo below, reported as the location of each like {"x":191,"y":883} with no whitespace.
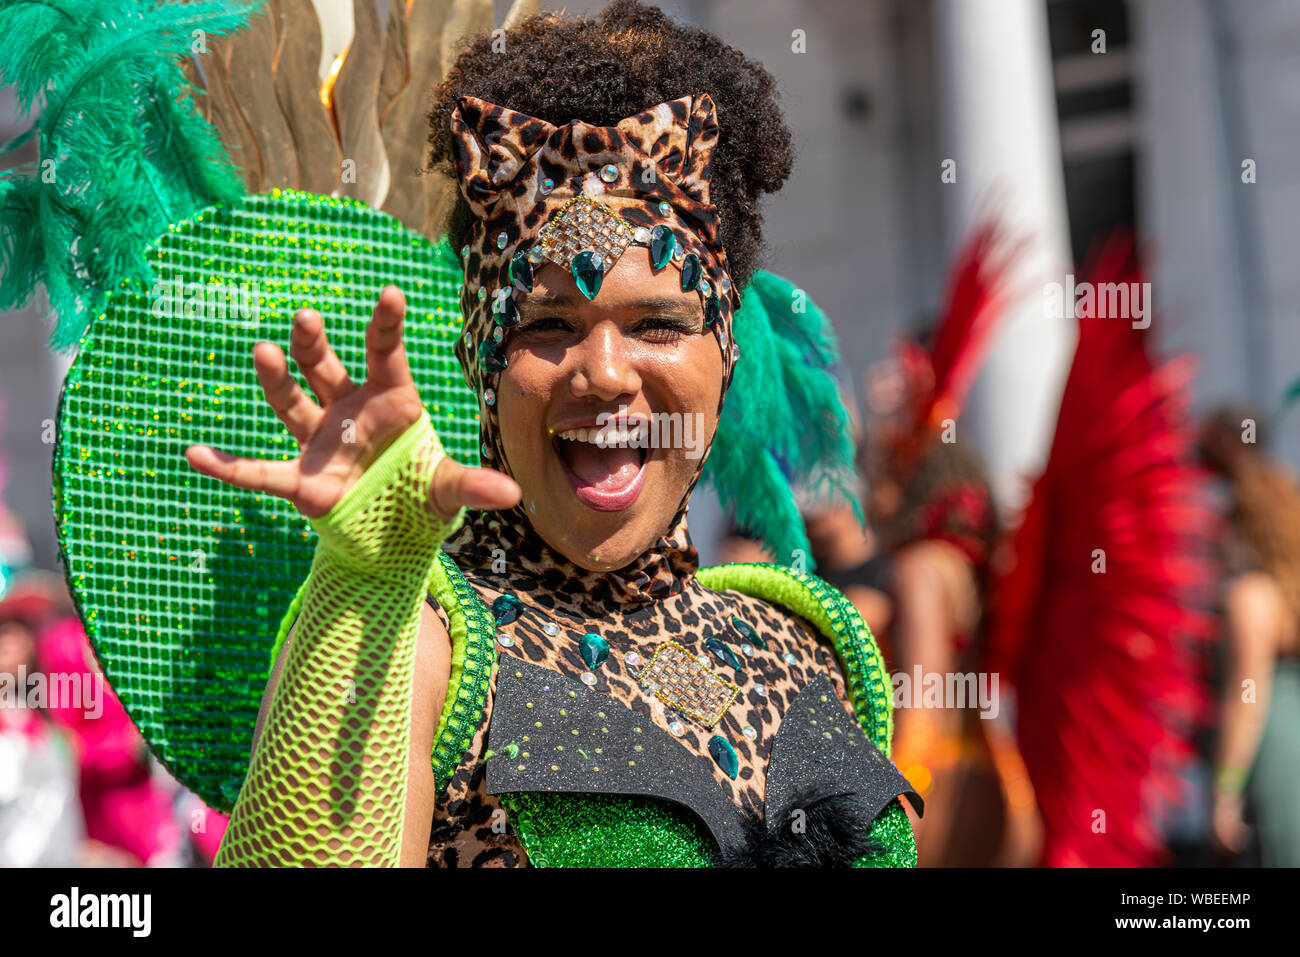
{"x":833,"y":831}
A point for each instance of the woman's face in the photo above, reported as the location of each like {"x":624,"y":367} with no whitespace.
{"x":636,"y":367}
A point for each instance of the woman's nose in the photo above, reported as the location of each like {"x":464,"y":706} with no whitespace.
{"x":603,"y":367}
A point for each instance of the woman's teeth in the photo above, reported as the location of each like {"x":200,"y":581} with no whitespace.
{"x":604,"y":437}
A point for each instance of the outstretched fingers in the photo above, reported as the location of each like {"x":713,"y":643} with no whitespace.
{"x":455,"y":485}
{"x":320,"y":364}
{"x":386,"y":365}
{"x":293,"y":406}
{"x":277,"y":477}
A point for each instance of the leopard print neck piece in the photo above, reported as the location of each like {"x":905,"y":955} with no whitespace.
{"x":520,"y":174}
{"x":497,"y":547}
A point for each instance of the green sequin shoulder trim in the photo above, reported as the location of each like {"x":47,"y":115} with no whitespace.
{"x":836,"y":617}
{"x":473,"y":656}
{"x":869,"y":686}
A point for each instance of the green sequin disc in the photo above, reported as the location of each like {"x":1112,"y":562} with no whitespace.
{"x":182,"y":581}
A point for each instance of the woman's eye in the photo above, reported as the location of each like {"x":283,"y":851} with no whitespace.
{"x":546,"y":323}
{"x":665,"y":330}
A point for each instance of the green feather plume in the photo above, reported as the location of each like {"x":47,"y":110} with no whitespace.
{"x":123,"y":152}
{"x":1291,"y":396}
{"x":783,"y":422}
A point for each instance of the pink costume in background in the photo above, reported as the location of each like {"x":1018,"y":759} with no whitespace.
{"x":124,"y":806}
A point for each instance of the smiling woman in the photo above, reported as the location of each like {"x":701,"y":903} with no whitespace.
{"x":589,"y":695}
{"x":639,"y":351}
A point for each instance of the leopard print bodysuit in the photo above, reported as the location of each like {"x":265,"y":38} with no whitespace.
{"x":634,"y":609}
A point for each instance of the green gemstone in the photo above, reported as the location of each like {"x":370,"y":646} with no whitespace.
{"x":594,"y":648}
{"x":662,"y":244}
{"x":724,"y":654}
{"x":508,"y":314}
{"x":588,"y":272}
{"x":748,"y":633}
{"x":506,"y":609}
{"x":492,"y":356}
{"x":725,"y":755}
{"x":521,"y":272}
{"x":692,"y":272}
{"x":712,"y":313}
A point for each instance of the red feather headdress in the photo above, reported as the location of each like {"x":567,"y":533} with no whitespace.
{"x":939,"y":378}
{"x":959,"y":508}
{"x":1094,"y":622}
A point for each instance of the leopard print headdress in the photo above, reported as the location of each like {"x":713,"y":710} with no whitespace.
{"x":581,"y":196}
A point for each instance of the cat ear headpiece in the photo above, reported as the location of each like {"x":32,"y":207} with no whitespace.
{"x":581,"y":196}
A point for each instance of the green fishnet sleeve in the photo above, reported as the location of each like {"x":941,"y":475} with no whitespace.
{"x":328,"y":779}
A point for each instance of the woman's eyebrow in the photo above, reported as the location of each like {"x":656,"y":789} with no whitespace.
{"x":659,"y":304}
{"x":561,"y":301}
{"x":665,"y":304}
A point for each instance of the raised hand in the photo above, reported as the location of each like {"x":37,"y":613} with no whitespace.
{"x":349,"y":426}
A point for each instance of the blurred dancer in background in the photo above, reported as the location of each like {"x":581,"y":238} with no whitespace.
{"x":938,"y":527}
{"x":931,"y":504}
{"x":40,"y":820}
{"x":920,"y":574}
{"x":1258,"y":750}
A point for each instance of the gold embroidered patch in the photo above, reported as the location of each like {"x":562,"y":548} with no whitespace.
{"x":686,"y":682}
{"x":583,"y":223}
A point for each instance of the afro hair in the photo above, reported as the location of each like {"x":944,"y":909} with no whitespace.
{"x":630,"y":58}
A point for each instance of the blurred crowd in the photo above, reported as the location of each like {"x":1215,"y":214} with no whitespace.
{"x":923,"y":586}
{"x":78,"y":786}
{"x":1164,"y":689}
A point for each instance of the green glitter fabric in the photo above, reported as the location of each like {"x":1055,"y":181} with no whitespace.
{"x":601,"y":830}
{"x":181,"y":580}
{"x":892,"y":829}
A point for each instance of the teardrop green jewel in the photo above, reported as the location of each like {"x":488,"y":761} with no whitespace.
{"x":492,"y":355}
{"x":588,"y":270}
{"x":662,"y":243}
{"x":692,"y":272}
{"x":508,"y":314}
{"x":748,"y":632}
{"x":724,"y":654}
{"x":506,"y":609}
{"x":712,"y":313}
{"x":594,"y":649}
{"x":521,"y":272}
{"x":725,"y":755}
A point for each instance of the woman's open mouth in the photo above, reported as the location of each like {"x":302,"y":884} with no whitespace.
{"x":602,"y":464}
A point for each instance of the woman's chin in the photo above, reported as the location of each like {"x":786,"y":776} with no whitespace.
{"x":600,"y":540}
{"x":595,"y":536}
{"x":587,"y":548}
